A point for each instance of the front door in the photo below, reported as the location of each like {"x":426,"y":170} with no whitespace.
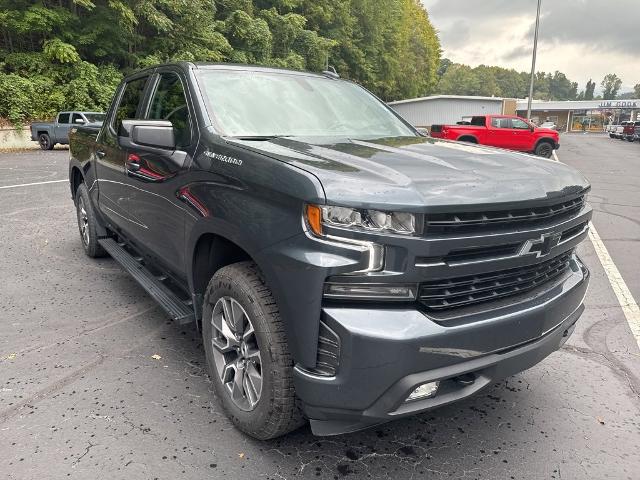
{"x":111,"y":157}
{"x":521,"y":134}
{"x":156,"y":176}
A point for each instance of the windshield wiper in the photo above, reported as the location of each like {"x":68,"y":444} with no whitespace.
{"x":258,"y":137}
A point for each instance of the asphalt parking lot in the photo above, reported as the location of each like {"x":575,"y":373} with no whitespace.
{"x":82,"y":397}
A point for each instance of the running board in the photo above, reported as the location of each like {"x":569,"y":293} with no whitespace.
{"x":179,"y":311}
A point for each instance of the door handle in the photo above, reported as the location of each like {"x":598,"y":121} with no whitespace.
{"x":101,"y":153}
{"x":133,"y":166}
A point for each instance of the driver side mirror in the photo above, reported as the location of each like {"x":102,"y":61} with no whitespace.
{"x":79,"y":120}
{"x":148,"y":133}
{"x":422,"y":131}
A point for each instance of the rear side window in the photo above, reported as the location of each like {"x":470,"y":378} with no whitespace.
{"x":169,"y":103}
{"x":129,"y":101}
{"x":497,"y":122}
{"x":63,"y":118}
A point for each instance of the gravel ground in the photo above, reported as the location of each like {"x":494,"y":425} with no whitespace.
{"x":82,"y":397}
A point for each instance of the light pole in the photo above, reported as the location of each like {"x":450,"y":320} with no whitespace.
{"x":533,"y":61}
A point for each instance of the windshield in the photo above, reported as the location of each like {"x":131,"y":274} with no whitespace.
{"x":94,"y":117}
{"x":266,"y":104}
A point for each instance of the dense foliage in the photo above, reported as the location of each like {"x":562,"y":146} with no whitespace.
{"x":64,"y":54}
{"x":459,"y":79}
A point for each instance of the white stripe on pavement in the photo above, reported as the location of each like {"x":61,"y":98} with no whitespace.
{"x":625,"y":298}
{"x":30,"y":184}
{"x":555,"y":156}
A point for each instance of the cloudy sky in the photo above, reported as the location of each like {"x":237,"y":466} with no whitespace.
{"x":582,"y":38}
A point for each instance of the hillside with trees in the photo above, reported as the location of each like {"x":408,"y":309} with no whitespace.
{"x":64,"y":54}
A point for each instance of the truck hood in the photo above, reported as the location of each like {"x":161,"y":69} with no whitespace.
{"x":422,"y":174}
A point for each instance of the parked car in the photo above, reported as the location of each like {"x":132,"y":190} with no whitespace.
{"x":636,"y":133}
{"x":620,"y":130}
{"x":549,"y":125}
{"x":628,"y":133}
{"x":48,"y":134}
{"x":504,"y":131}
{"x":342,"y":268}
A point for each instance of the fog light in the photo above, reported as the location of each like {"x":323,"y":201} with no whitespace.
{"x":370,"y":291}
{"x":426,"y":390}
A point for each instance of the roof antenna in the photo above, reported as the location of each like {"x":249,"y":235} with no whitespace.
{"x":331,"y":72}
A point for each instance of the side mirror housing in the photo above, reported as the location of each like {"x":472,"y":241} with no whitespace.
{"x":148,"y":133}
{"x":79,"y":121}
{"x":422,"y":131}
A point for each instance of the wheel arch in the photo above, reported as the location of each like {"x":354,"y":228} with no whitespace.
{"x":75,"y":179}
{"x":548,"y":140}
{"x":467,"y":138}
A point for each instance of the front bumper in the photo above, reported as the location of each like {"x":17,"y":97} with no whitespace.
{"x":387,"y":352}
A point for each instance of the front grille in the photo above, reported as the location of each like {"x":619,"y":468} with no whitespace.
{"x":477,"y":222}
{"x":451,"y":293}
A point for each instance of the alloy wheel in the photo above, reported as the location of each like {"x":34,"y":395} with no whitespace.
{"x":83,"y":222}
{"x":44,"y":142}
{"x":236,"y":353}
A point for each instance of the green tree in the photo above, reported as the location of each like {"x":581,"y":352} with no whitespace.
{"x":589,"y":90}
{"x":610,"y":84}
{"x":636,"y":90}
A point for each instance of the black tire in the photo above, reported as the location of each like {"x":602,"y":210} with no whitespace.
{"x":87,"y":223}
{"x":45,"y":142}
{"x":544,"y":149}
{"x":276,"y":411}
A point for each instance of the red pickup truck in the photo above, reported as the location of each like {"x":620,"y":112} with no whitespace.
{"x":504,"y":131}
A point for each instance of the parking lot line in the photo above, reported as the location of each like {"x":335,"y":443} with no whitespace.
{"x":625,"y":298}
{"x":555,"y":156}
{"x":30,"y":184}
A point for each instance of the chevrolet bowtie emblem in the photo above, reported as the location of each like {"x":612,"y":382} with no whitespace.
{"x":542,"y":246}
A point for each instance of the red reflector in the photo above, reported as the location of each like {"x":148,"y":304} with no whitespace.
{"x":133,"y":158}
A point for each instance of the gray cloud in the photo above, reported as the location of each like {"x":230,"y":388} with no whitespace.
{"x":596,"y":24}
{"x":583,"y":38}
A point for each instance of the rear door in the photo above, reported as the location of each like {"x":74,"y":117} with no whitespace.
{"x":156,"y":176}
{"x":499,"y":132}
{"x":111,"y":158}
{"x":61,"y":128}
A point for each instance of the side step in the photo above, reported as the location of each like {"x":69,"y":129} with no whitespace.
{"x":181,"y":312}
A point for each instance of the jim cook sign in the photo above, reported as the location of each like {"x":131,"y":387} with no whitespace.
{"x":618,"y":104}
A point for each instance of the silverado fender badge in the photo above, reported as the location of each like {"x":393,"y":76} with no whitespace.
{"x":223,"y":158}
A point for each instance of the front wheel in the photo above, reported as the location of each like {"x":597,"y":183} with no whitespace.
{"x":247,"y":353}
{"x":544,"y":149}
{"x":45,"y":142}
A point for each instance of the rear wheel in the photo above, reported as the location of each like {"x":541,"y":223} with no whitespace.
{"x":544,"y":149}
{"x":87,"y":223}
{"x":247,"y":353}
{"x":45,"y":142}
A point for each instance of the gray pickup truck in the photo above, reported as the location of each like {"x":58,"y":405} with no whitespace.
{"x":342,"y":267}
{"x":48,"y":134}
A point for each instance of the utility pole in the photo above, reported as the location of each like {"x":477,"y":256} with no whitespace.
{"x":533,"y":61}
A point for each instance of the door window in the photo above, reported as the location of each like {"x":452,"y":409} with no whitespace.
{"x":497,"y":122}
{"x":63,"y":118}
{"x":519,"y":124}
{"x":169,"y":103}
{"x":76,"y":117}
{"x":129,"y":101}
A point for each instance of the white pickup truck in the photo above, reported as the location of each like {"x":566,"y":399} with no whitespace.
{"x":48,"y":134}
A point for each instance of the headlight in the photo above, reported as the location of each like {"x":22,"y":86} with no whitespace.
{"x":359,"y":219}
